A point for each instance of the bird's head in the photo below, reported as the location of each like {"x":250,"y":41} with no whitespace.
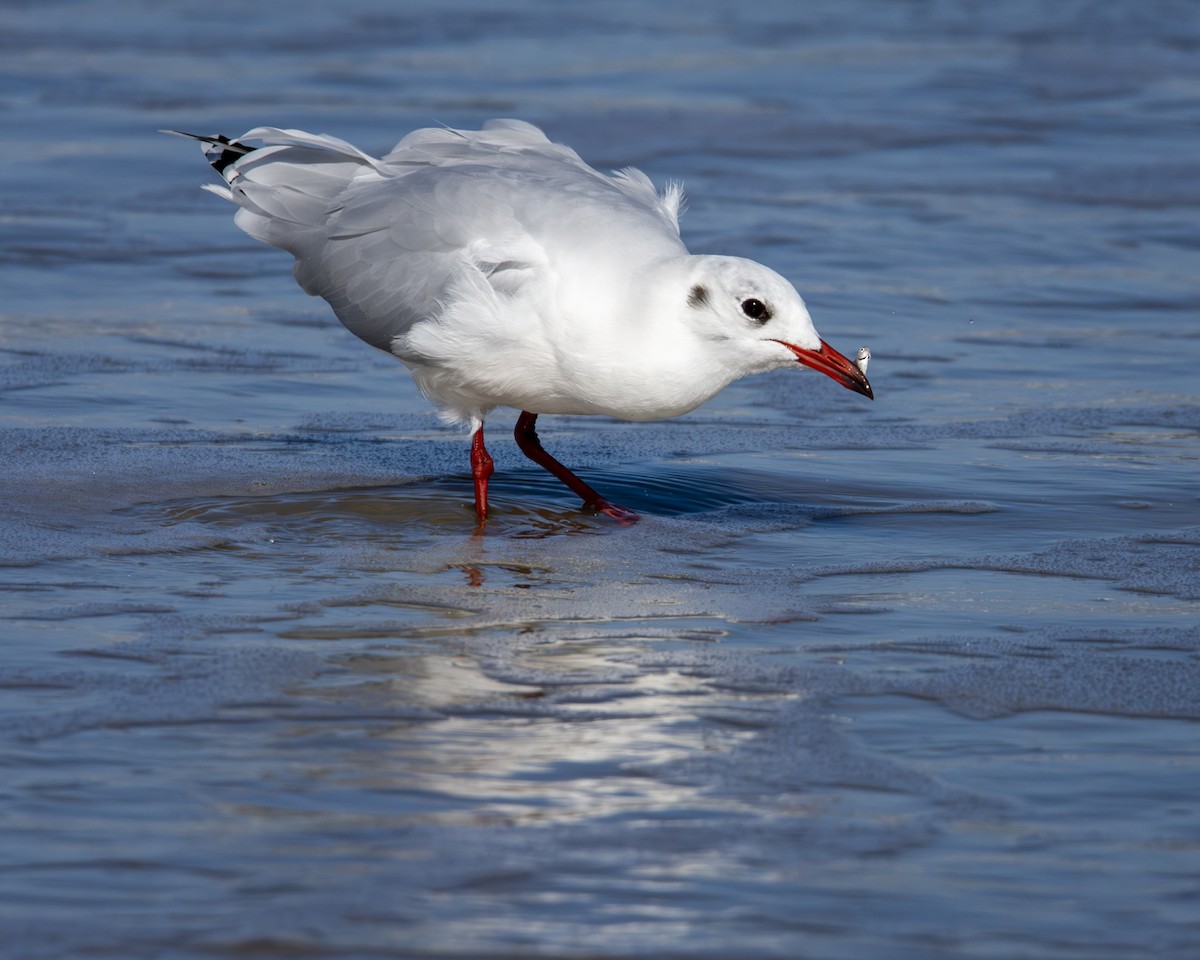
{"x":758,"y":320}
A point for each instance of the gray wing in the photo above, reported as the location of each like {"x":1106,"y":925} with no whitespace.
{"x":383,"y":240}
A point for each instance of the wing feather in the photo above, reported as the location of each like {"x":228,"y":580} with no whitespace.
{"x":386,"y":241}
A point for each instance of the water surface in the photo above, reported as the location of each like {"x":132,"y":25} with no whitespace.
{"x":917,"y":678}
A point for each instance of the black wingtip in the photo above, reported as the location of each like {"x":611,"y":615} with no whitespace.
{"x":231,"y":150}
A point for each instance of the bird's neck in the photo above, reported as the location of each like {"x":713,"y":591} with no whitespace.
{"x":644,"y":361}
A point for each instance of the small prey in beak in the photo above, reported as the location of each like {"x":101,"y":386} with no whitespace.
{"x":834,"y":365}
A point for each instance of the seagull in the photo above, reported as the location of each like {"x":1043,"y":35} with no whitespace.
{"x":503,"y":271}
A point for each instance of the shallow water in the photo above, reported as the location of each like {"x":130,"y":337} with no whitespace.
{"x":917,"y":678}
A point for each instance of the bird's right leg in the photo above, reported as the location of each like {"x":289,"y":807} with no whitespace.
{"x":527,"y":439}
{"x":481,"y":470}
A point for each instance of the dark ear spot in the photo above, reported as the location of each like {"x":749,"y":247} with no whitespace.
{"x":697,"y":296}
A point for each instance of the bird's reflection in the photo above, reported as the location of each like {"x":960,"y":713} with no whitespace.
{"x":546,"y":729}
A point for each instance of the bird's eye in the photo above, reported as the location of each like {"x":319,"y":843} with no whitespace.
{"x":755,"y":309}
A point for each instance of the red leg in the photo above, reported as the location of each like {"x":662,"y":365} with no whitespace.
{"x":531,"y":446}
{"x":481,"y":469}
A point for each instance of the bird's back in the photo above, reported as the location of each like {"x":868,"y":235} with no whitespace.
{"x":384,"y":240}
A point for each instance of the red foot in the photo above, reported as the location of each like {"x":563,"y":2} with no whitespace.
{"x":527,"y":439}
{"x":622,"y":515}
{"x":481,"y":469}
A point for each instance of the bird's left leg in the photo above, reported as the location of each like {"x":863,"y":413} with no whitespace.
{"x":481,"y":470}
{"x":527,"y":439}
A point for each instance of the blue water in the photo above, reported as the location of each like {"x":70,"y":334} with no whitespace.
{"x":911,"y":679}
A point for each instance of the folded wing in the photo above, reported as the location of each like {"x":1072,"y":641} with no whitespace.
{"x":386,"y":240}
